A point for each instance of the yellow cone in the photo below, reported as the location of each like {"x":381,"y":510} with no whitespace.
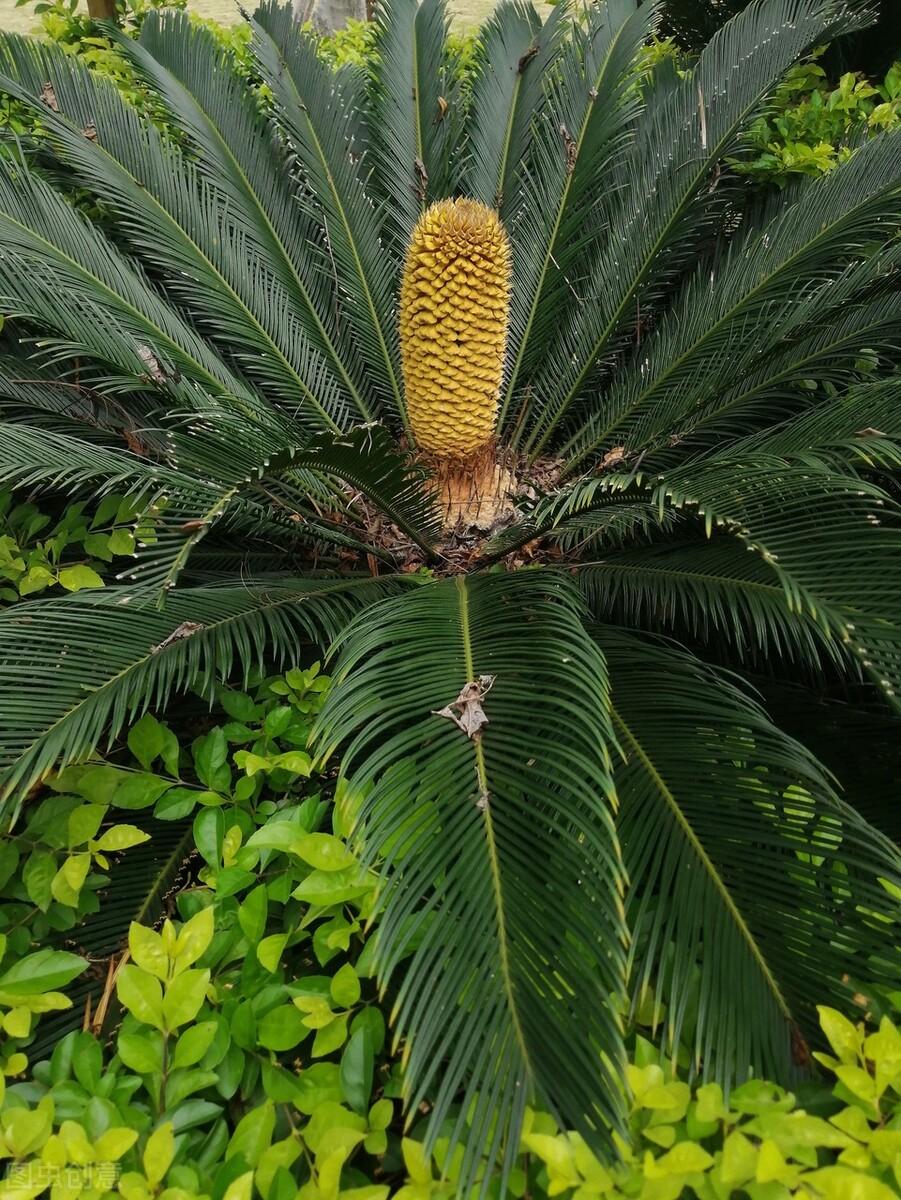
{"x":453,"y":326}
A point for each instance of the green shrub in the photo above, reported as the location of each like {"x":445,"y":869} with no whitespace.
{"x":353,"y":45}
{"x":70,"y":551}
{"x":67,"y":24}
{"x":813,"y":126}
{"x":244,"y":1122}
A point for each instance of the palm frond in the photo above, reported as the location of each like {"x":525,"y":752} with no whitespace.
{"x":826,"y":352}
{"x":713,"y":592}
{"x":739,"y":850}
{"x":833,"y":542}
{"x":73,"y":671}
{"x":505,"y":836}
{"x":413,"y":107}
{"x":585,"y":114}
{"x":514,"y":54}
{"x":35,"y":394}
{"x":315,"y":111}
{"x":248,"y":213}
{"x":663,"y":192}
{"x":366,"y":457}
{"x":737,"y":309}
{"x":181,"y":508}
{"x":59,"y":272}
{"x":596,"y":512}
{"x":861,"y":427}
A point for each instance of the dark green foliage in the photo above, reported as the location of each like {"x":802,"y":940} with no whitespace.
{"x":700,"y":406}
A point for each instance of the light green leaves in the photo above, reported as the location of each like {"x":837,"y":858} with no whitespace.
{"x":865,"y":1064}
{"x":146,"y":740}
{"x":76,"y":579}
{"x":161,"y":988}
{"x":120,"y":837}
{"x":193,"y":939}
{"x":282,"y":1028}
{"x":148,"y":950}
{"x":141,"y":1052}
{"x":184,"y":997}
{"x":42,"y":971}
{"x":845,"y":1039}
{"x":166,"y":1009}
{"x":324,"y":852}
{"x":84,"y":822}
{"x":193,"y":1044}
{"x":253,"y":1134}
{"x":142,"y":994}
{"x":345,"y":986}
{"x":159,"y":1153}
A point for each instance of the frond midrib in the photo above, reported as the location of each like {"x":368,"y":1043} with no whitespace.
{"x":491,"y":843}
{"x":508,"y":138}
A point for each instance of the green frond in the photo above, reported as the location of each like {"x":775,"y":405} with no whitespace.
{"x":515,"y":52}
{"x":832,"y":541}
{"x":713,"y":592}
{"x":596,"y":512}
{"x":268,"y":252}
{"x":662,"y":193}
{"x":59,"y":272}
{"x":861,"y":428}
{"x":827,"y":352}
{"x":505,"y":839}
{"x":415,"y":104}
{"x":74,"y":671}
{"x":584,"y":117}
{"x":315,"y":110}
{"x":182,"y":508}
{"x":738,"y":850}
{"x":739,"y":307}
{"x":241,"y":454}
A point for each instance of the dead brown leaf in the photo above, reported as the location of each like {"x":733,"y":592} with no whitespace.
{"x":466,"y":711}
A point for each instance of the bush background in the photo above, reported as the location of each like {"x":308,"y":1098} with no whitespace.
{"x":466,"y":13}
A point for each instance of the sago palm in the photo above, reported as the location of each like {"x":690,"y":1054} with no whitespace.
{"x":506,"y":388}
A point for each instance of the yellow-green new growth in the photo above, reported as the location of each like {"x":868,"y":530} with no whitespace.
{"x":453,"y":326}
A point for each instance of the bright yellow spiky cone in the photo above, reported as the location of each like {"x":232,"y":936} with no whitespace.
{"x":453,"y":326}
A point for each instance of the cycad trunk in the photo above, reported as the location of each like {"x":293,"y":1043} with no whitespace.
{"x":328,"y":16}
{"x":102,"y":10}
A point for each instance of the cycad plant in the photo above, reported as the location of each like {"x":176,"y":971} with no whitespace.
{"x":505,"y":387}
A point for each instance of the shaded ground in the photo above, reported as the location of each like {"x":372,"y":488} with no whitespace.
{"x":21,"y":20}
